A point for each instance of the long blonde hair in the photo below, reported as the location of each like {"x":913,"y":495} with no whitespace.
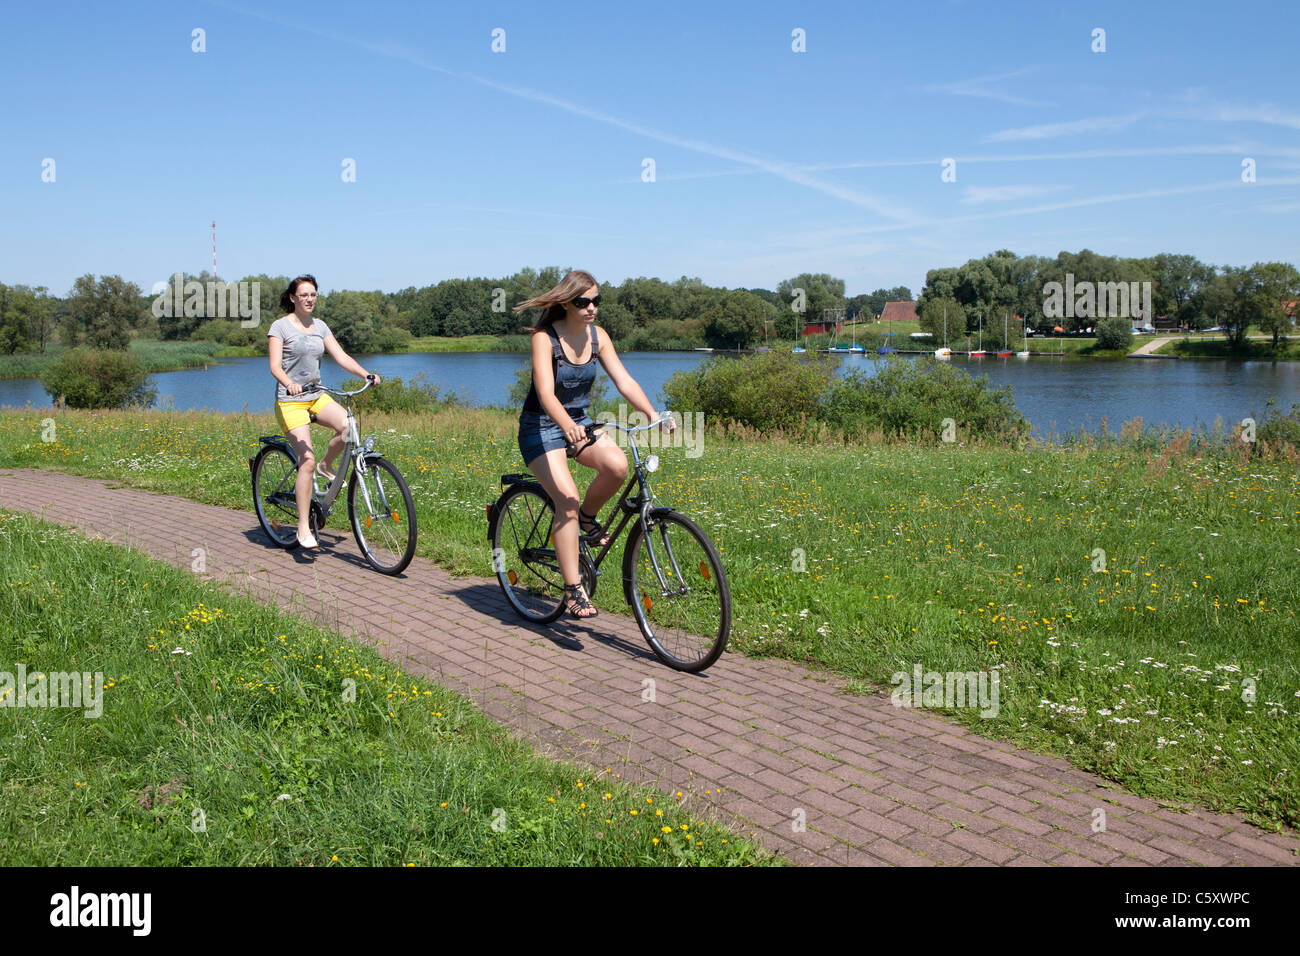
{"x":552,"y":301}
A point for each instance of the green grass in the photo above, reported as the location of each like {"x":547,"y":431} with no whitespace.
{"x":1217,"y":347}
{"x":230,"y":734}
{"x":469,"y":343}
{"x":156,"y":356}
{"x":956,"y":557}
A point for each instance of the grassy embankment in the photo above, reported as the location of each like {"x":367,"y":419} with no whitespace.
{"x":230,"y":734}
{"x":156,"y":356}
{"x":1216,"y":346}
{"x":1139,"y":597}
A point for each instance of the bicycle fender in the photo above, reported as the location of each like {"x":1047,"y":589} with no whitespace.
{"x":629,"y":550}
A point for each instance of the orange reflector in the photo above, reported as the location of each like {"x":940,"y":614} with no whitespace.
{"x":397,"y":519}
{"x":513,"y":578}
{"x":367,"y":521}
{"x":704,"y":570}
{"x":645,"y":601}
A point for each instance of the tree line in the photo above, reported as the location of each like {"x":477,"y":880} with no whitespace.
{"x":1198,"y":295}
{"x":639,"y":313}
{"x":649,"y":313}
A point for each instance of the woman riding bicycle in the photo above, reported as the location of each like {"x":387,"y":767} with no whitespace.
{"x":554,"y":419}
{"x":296,"y":343}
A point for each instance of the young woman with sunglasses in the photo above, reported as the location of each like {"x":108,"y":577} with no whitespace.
{"x":552,"y":424}
{"x":297,"y":342}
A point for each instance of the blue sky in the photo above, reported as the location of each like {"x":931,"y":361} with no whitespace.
{"x":767,"y":162}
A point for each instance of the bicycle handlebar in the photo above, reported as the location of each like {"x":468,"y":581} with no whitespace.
{"x":667,"y":416}
{"x":312,"y":386}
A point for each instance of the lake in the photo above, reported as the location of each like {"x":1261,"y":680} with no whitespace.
{"x":1056,"y":395}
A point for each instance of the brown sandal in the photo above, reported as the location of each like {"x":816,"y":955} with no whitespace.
{"x":575,"y":600}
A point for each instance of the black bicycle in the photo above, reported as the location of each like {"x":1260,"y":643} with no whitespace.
{"x":672,"y":575}
{"x":380,"y":506}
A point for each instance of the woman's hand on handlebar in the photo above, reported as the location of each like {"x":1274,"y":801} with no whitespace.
{"x":374,"y":379}
{"x":293,"y":388}
{"x":574,"y":433}
{"x":669,"y":424}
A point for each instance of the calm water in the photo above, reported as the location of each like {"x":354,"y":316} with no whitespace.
{"x":1054,"y":395}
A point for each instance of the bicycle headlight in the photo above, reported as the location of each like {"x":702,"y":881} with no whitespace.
{"x":370,"y":443}
{"x":652,"y":463}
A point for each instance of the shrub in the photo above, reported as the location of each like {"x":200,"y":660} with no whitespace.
{"x":87,"y":378}
{"x":227,"y":332}
{"x":1114,"y":333}
{"x":772,"y":390}
{"x":1279,"y":429}
{"x":912,"y":397}
{"x":394,"y":395}
{"x":391,"y":338}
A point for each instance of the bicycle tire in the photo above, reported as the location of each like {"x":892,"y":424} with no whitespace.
{"x":523,"y":555}
{"x":274,"y":476}
{"x":687,"y":629}
{"x":387,"y":539}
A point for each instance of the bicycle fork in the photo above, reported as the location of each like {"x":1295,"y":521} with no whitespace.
{"x":664,"y":590}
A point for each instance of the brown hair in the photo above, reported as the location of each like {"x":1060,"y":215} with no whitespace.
{"x":552,"y":301}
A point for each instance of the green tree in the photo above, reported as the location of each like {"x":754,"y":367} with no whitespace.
{"x":1278,"y":282}
{"x":944,"y":319}
{"x":352,"y":317}
{"x":815,"y":293}
{"x":26,"y":319}
{"x":104,"y":311}
{"x":734,"y":320}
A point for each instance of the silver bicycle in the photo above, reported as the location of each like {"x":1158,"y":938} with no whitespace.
{"x":380,"y":506}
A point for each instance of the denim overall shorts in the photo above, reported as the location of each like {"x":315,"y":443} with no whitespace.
{"x":538,"y":432}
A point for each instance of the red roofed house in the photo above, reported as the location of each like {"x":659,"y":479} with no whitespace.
{"x":899,"y":312}
{"x":1289,"y":307}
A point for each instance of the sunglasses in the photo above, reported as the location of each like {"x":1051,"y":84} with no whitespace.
{"x":581,"y":302}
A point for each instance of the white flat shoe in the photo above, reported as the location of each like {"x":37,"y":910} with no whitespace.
{"x":323,"y":474}
{"x":308,"y":542}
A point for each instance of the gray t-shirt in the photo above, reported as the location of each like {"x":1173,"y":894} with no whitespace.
{"x":300,"y":358}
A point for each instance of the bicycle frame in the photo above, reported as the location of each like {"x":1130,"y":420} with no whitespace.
{"x":641,"y":507}
{"x":355,"y":454}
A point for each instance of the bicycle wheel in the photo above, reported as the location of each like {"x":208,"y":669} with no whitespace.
{"x":523,"y":555}
{"x":679,"y":591}
{"x":274,"y":475}
{"x":383,"y":515}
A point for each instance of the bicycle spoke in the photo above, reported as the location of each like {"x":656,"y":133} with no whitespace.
{"x":681,"y":595}
{"x":383,"y":521}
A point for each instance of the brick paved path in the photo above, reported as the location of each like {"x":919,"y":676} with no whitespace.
{"x":876,"y":784}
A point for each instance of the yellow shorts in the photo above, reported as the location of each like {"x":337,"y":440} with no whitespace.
{"x":292,"y":414}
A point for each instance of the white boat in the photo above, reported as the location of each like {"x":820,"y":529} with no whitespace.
{"x":944,"y":352}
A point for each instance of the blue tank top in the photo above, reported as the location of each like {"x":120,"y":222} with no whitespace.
{"x":572,"y":382}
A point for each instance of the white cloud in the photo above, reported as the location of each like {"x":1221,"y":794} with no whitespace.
{"x":983,"y":194}
{"x":980,"y":86}
{"x":1094,"y":124}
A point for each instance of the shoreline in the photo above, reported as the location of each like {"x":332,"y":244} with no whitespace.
{"x":1150,"y":349}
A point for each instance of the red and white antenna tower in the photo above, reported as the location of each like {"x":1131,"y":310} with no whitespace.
{"x":214,"y":248}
